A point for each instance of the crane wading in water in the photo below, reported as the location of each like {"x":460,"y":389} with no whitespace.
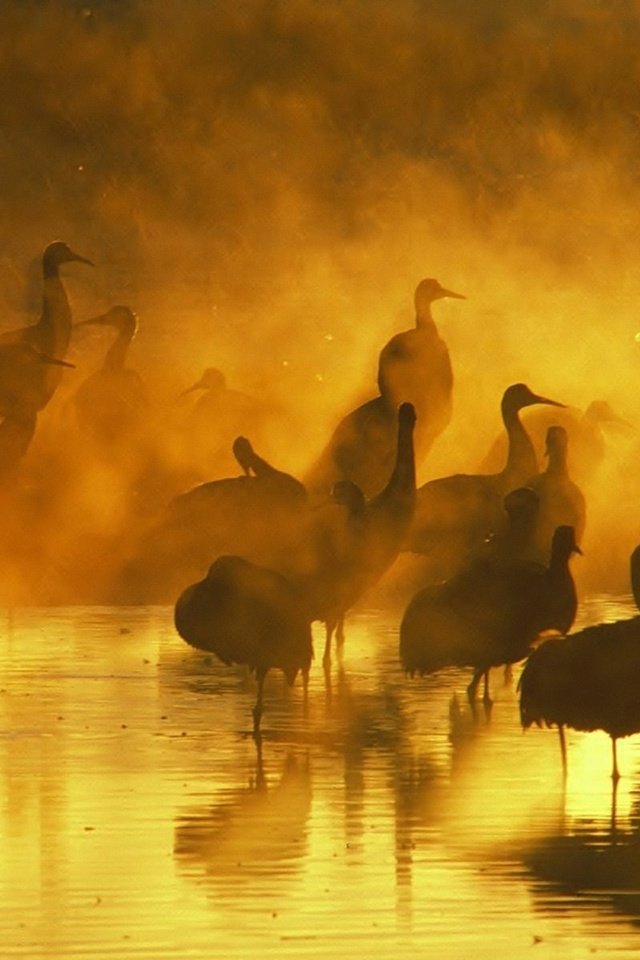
{"x":249,"y":615}
{"x":375,"y":532}
{"x":588,"y":680}
{"x":489,"y":614}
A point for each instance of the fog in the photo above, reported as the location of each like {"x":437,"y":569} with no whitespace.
{"x":265,"y":183}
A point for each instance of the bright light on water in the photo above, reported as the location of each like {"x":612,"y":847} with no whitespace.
{"x":139,"y":819}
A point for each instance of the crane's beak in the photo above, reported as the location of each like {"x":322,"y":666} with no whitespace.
{"x":196,"y":386}
{"x":620,"y":425}
{"x":44,"y":358}
{"x":76,"y":256}
{"x":450,"y":293}
{"x":536,"y":398}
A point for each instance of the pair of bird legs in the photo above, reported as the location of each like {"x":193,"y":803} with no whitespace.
{"x":259,"y":705}
{"x":472,"y":689}
{"x":615,"y":773}
{"x":331,"y":627}
{"x":478,"y":675}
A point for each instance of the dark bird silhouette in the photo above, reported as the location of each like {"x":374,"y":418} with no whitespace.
{"x":489,"y":614}
{"x":589,"y":433}
{"x":587,"y":680}
{"x":249,"y":615}
{"x":454,"y":515}
{"x":374,"y":533}
{"x":413,"y":367}
{"x":516,"y":540}
{"x":218,"y":415}
{"x":24,"y":381}
{"x":112,"y":403}
{"x":361,"y":449}
{"x":20,"y":418}
{"x":214,"y":392}
{"x":262,"y":515}
{"x":561,"y":500}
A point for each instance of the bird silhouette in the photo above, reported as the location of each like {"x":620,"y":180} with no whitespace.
{"x":516,"y":540}
{"x":589,"y":432}
{"x":218,"y":415}
{"x":454,"y":515}
{"x":413,"y":367}
{"x":247,"y":614}
{"x":23,"y":379}
{"x":111,"y":404}
{"x":587,"y":680}
{"x":361,"y":449}
{"x":561,"y":500}
{"x":489,"y":614}
{"x":374,"y":533}
{"x":262,"y":515}
{"x":19,"y":418}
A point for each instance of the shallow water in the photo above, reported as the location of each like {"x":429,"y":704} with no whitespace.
{"x":138,"y":819}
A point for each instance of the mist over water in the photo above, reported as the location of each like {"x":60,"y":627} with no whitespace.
{"x":265,"y":183}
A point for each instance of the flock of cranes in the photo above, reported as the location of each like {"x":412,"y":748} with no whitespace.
{"x":280,"y":553}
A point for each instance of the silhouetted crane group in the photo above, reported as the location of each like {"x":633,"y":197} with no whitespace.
{"x":254,"y":559}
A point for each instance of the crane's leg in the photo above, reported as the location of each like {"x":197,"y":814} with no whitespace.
{"x":563,"y":749}
{"x":472,"y":689}
{"x":615,"y":773}
{"x":486,"y":696}
{"x":305,"y":691}
{"x":329,"y":628}
{"x":261,"y":783}
{"x":257,"y":710}
{"x":340,"y":635}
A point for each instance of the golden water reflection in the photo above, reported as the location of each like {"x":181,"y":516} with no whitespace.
{"x":140,"y":820}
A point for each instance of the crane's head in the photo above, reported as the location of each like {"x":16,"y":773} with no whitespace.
{"x":57,"y":253}
{"x":556,"y":441}
{"x":563,"y":542}
{"x":348,"y":494}
{"x":599,"y":411}
{"x":244,"y":454}
{"x":212,"y":380}
{"x":407,"y":414}
{"x":123,"y":319}
{"x":519,"y":395}
{"x":429,"y":290}
{"x":521,"y":503}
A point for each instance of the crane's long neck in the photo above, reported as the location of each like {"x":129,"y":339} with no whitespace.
{"x":117,"y":352}
{"x":557,"y":465}
{"x":521,"y":459}
{"x":424,"y":318}
{"x":53,"y":330}
{"x":402,"y":482}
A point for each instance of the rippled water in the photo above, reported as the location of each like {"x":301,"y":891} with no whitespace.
{"x":138,"y":819}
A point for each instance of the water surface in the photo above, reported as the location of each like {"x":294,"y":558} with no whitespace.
{"x":382,"y":819}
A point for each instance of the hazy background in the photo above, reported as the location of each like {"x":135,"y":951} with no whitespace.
{"x":266,"y":182}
